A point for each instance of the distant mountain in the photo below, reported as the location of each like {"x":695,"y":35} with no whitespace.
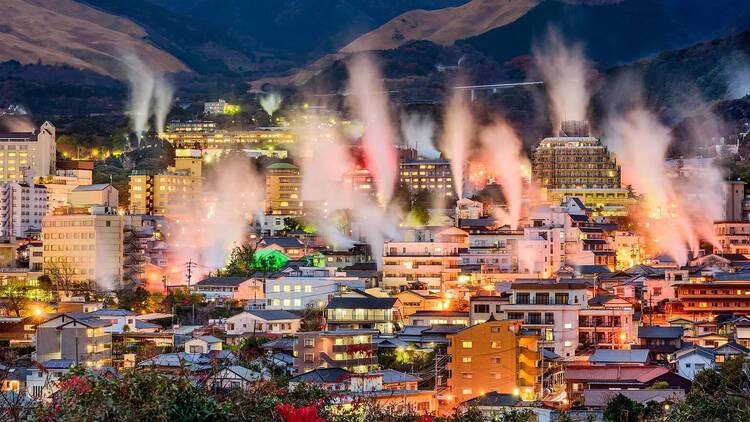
{"x":69,"y":33}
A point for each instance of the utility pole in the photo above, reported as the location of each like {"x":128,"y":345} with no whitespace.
{"x":189,"y":270}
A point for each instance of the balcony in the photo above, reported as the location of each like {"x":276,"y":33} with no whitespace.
{"x":348,"y":363}
{"x":349,"y":348}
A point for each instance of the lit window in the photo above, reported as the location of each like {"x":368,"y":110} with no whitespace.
{"x":466,"y":359}
{"x":467,"y":344}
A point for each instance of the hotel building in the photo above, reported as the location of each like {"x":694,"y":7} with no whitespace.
{"x":27,"y":154}
{"x":283,"y":190}
{"x":430,"y":175}
{"x":22,"y":207}
{"x":178,"y":186}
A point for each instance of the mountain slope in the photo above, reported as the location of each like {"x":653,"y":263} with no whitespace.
{"x":70,"y":33}
{"x":442,"y":26}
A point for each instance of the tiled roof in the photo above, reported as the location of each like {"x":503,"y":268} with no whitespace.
{"x":323,"y":375}
{"x":222,"y":281}
{"x":619,"y":356}
{"x":361,"y":303}
{"x":274,"y":315}
{"x":618,"y":373}
{"x":660,"y":332}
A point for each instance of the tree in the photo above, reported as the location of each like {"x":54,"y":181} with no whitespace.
{"x":313,"y":320}
{"x":241,"y":262}
{"x":16,"y":295}
{"x":61,"y":274}
{"x":622,"y":409}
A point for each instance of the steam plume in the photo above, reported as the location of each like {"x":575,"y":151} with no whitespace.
{"x":502,"y":148}
{"x":150,"y":93}
{"x":418,"y":131}
{"x":163,"y":92}
{"x":564,"y":70}
{"x":271,"y":102}
{"x":459,"y":124}
{"x":369,"y":103}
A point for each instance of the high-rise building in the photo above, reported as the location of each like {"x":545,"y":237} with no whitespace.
{"x":574,"y":159}
{"x":430,"y":175}
{"x":178,"y":186}
{"x":27,"y":154}
{"x":283,"y":189}
{"x":22,"y":206}
{"x":734,"y":195}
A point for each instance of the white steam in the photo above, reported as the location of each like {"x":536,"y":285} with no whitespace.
{"x":271,"y":102}
{"x":418,"y":131}
{"x":150,"y":94}
{"x":457,"y":133}
{"x":369,"y":102}
{"x":564,"y":69}
{"x":501,"y":147}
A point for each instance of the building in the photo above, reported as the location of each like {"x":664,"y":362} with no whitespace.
{"x":42,"y":382}
{"x":692,"y":360}
{"x":732,"y":237}
{"x":427,"y":175}
{"x":353,"y":350}
{"x":431,"y":318}
{"x":22,"y":207}
{"x":420,"y":300}
{"x":466,"y":209}
{"x":425,"y":258}
{"x":307,"y":287}
{"x":203,"y":344}
{"x":273,"y":322}
{"x":283,"y":190}
{"x":120,"y":320}
{"x":718,"y":293}
{"x":230,"y":288}
{"x":660,"y":341}
{"x":378,"y":313}
{"x":220,"y":107}
{"x":493,"y":356}
{"x":734,"y":195}
{"x":68,"y":176}
{"x":289,"y":246}
{"x":84,"y":244}
{"x":81,"y":338}
{"x":27,"y":154}
{"x":175,"y":189}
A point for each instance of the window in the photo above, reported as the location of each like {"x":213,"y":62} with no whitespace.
{"x":276,"y":289}
{"x":481,"y":308}
{"x":467,"y":375}
{"x":466,"y":359}
{"x":494,"y":345}
{"x":466,"y":391}
{"x":467,"y":344}
{"x":308,"y":357}
{"x":568,"y":343}
{"x":196,"y":349}
{"x":309,"y":342}
{"x":567,"y":326}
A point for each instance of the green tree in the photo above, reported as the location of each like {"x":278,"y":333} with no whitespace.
{"x":241,"y":262}
{"x":622,"y":409}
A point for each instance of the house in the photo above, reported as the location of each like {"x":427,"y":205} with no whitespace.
{"x":495,"y":405}
{"x":331,"y":379}
{"x":493,"y":356}
{"x":694,"y":359}
{"x":429,"y":318}
{"x":582,"y":378}
{"x":230,"y":288}
{"x":481,"y":307}
{"x":742,"y":332}
{"x":598,"y":399}
{"x":177,"y":363}
{"x":203,"y":344}
{"x":41,"y":381}
{"x":660,"y":341}
{"x":625,"y":357}
{"x":729,"y":349}
{"x":353,"y":350}
{"x":377,"y":313}
{"x":81,"y":338}
{"x":236,"y":377}
{"x":273,"y":322}
{"x":289,"y":246}
{"x":120,"y":319}
{"x":300,"y":288}
{"x":707,"y":340}
{"x":420,"y":300}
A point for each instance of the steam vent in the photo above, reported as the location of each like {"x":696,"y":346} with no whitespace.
{"x":575,"y":160}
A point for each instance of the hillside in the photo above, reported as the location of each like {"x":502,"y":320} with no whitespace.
{"x":442,"y":26}
{"x":69,"y":33}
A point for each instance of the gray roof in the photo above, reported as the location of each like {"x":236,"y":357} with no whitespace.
{"x":619,"y":356}
{"x":86,"y":188}
{"x":58,"y":364}
{"x":493,"y":399}
{"x":284,"y":242}
{"x":361,"y":303}
{"x":210,"y":339}
{"x":323,"y":375}
{"x":223,"y":281}
{"x":190,"y":360}
{"x":391,"y":376}
{"x":280,"y":343}
{"x":660,"y":332}
{"x":141,"y":325}
{"x":112,"y":312}
{"x":245,"y":373}
{"x":274,"y":315}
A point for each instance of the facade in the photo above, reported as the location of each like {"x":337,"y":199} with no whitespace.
{"x":378,"y":313}
{"x":420,"y":300}
{"x":307,"y":287}
{"x":353,"y":350}
{"x":430,"y":175}
{"x":719,"y":293}
{"x":203,"y":345}
{"x":493,"y":356}
{"x":172,"y":190}
{"x":83,"y":245}
{"x":230,"y":288}
{"x":425,"y":258}
{"x":263,"y":322}
{"x":430,"y":318}
{"x":80,"y":338}
{"x":27,"y":154}
{"x":22,"y":207}
{"x":733,"y":237}
{"x":283,"y":190}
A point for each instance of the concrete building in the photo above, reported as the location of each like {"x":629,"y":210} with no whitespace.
{"x":27,"y":154}
{"x":353,"y":350}
{"x":68,"y":176}
{"x":80,"y":338}
{"x":378,"y":313}
{"x":733,"y":237}
{"x":81,"y":244}
{"x":424,"y":257}
{"x":283,"y":190}
{"x":99,"y":195}
{"x":493,"y":356}
{"x":466,"y":209}
{"x":22,"y":207}
{"x":306,"y":287}
{"x":174,"y":189}
{"x":734,"y":195}
{"x":430,"y":175}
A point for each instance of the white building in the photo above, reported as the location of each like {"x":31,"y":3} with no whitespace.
{"x":27,"y":154}
{"x":203,"y":344}
{"x":306,"y":287}
{"x":693,"y":360}
{"x":22,"y":207}
{"x":276,"y":322}
{"x":42,"y":382}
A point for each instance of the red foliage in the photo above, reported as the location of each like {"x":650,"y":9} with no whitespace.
{"x":76,"y":384}
{"x":289,"y":413}
{"x":426,"y":418}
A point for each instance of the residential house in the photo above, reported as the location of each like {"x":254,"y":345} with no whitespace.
{"x":429,"y":318}
{"x":624,"y":357}
{"x":80,"y":338}
{"x":41,"y":382}
{"x":230,"y":288}
{"x":493,"y":356}
{"x":353,"y":350}
{"x":381,"y":314}
{"x":482,"y":307}
{"x":289,"y":246}
{"x":581,"y":379}
{"x":660,"y":341}
{"x":299,"y":288}
{"x":420,"y":300}
{"x":694,"y":359}
{"x":203,"y":344}
{"x":273,"y":322}
{"x":235,"y":377}
{"x":120,"y":319}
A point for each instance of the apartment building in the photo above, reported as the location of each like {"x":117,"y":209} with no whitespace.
{"x":154,"y":194}
{"x":495,"y":356}
{"x":283,"y":190}
{"x":22,"y":207}
{"x":84,"y":244}
{"x":733,"y":237}
{"x":424,"y":257}
{"x":77,"y":337}
{"x":27,"y":154}
{"x":378,"y":313}
{"x":725,"y":293}
{"x":307,"y":287}
{"x":353,"y":350}
{"x":431,"y":175}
